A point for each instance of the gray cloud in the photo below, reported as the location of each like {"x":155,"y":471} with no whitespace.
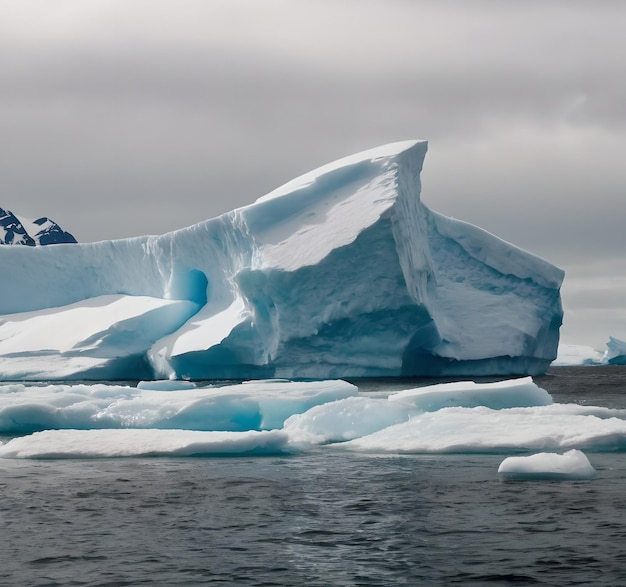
{"x":124,"y":118}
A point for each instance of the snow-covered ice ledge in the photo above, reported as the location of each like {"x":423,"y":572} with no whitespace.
{"x":343,"y":272}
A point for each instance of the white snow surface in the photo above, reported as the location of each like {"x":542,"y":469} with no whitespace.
{"x":259,"y":417}
{"x":33,"y":229}
{"x":571,"y":465}
{"x":93,"y":337}
{"x":343,"y":272}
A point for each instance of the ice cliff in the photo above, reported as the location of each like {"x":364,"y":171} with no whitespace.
{"x":342,"y":272}
{"x":42,"y":231}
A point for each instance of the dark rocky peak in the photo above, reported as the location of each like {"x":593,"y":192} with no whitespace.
{"x":42,"y":231}
{"x":12,"y":231}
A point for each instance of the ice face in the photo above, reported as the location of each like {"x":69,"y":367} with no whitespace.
{"x":343,"y":272}
{"x":572,"y":465}
{"x":271,"y":417}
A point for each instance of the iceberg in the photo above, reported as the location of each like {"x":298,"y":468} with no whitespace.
{"x":574,"y":354}
{"x":341,"y":273}
{"x":615,"y":353}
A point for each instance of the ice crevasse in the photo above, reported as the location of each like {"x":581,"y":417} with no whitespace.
{"x":342,"y":272}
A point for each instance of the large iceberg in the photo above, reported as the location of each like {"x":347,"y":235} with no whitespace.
{"x":342,"y":272}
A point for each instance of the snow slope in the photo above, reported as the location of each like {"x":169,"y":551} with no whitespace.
{"x":342,"y":272}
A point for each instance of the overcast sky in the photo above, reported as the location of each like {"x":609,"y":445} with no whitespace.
{"x":127,"y":117}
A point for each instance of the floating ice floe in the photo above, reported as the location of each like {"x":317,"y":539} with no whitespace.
{"x":511,"y":393}
{"x":465,"y":417}
{"x":258,"y":405}
{"x":345,"y":419}
{"x":88,"y":444}
{"x":481,"y":429}
{"x":572,"y":465}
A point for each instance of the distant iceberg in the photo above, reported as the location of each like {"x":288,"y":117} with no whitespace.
{"x":575,"y":354}
{"x":342,"y":272}
{"x":570,"y":355}
{"x":615,"y":352}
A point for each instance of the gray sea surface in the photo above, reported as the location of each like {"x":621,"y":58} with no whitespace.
{"x":321,"y":518}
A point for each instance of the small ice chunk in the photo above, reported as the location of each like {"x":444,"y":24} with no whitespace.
{"x":571,"y":465}
{"x":573,"y":354}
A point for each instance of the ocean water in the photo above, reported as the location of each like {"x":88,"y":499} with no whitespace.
{"x":320,"y":518}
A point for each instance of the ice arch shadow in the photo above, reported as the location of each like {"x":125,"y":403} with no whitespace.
{"x":418,"y":358}
{"x":189,"y":284}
